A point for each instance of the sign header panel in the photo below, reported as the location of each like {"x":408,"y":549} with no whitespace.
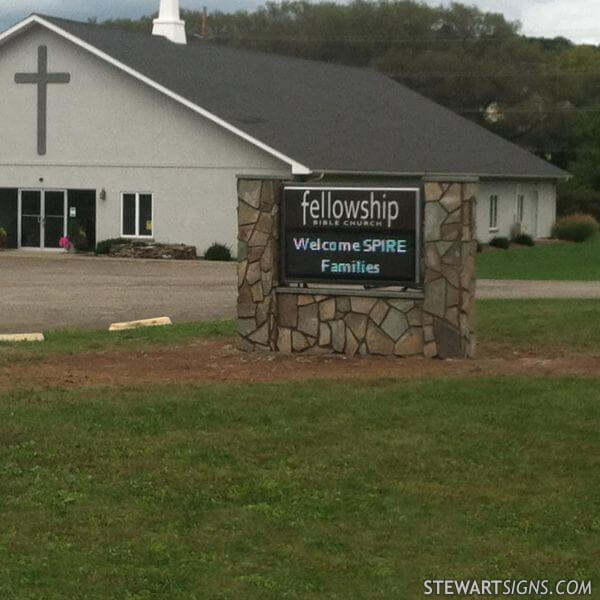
{"x":368,"y":236}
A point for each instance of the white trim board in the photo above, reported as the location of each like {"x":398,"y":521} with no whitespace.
{"x":297,"y":168}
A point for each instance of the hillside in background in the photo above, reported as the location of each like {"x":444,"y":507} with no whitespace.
{"x":543,"y":94}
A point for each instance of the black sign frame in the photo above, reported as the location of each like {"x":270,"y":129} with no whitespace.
{"x":285,"y":280}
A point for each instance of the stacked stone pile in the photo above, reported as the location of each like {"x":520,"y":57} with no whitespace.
{"x":154,"y":250}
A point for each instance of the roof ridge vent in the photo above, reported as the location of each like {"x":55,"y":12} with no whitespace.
{"x":169,"y":23}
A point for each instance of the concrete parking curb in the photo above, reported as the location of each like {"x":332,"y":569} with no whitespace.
{"x":158,"y":322}
{"x":22,"y":337}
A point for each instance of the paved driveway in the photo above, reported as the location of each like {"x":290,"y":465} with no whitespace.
{"x":45,"y":291}
{"x":504,"y":289}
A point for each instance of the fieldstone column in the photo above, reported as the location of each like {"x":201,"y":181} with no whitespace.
{"x":450,"y":248}
{"x":258,"y":276}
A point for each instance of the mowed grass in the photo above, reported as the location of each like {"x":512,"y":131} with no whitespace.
{"x":568,"y":262}
{"x":541,"y":325}
{"x":304,"y":490}
{"x":80,"y":342}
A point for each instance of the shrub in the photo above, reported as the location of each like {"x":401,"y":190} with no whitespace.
{"x":104,"y":246}
{"x":218,"y":252}
{"x":78,"y":236}
{"x":76,"y":231}
{"x":515,"y":231}
{"x":524,"y":239}
{"x":575,"y":197}
{"x":575,"y":228}
{"x":500,"y":242}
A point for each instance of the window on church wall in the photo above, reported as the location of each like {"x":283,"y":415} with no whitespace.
{"x":145,"y":215}
{"x":137,"y":211}
{"x":129,"y":214}
{"x":520,"y":207}
{"x":494,"y":213}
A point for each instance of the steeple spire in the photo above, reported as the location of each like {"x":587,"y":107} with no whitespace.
{"x":169,"y":23}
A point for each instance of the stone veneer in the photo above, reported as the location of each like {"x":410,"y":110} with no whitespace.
{"x":448,"y":266}
{"x":258,"y":243}
{"x":434,"y":322}
{"x":350,"y":324}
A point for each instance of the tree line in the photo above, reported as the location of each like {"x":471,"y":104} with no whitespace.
{"x":543,"y":94}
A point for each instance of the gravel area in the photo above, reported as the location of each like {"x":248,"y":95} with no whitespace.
{"x":49,"y":291}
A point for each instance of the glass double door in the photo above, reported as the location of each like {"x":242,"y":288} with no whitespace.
{"x":42,"y":218}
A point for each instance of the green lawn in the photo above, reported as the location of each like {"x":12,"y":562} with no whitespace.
{"x":303,"y":490}
{"x":569,"y":262}
{"x":542,"y":325}
{"x":79,"y":342}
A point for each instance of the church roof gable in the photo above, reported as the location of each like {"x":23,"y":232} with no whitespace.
{"x":315,"y":116}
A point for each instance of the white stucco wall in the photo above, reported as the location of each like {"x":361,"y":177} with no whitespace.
{"x":538,"y":215}
{"x":108,"y":131}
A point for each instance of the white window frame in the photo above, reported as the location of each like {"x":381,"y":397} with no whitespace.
{"x":493,"y":216}
{"x":137,"y":215}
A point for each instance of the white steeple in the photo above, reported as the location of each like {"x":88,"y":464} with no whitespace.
{"x":169,"y":23}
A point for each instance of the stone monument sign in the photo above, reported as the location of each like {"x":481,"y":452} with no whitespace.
{"x":385,"y":270}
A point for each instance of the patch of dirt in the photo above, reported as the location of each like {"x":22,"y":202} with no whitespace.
{"x":220,"y":362}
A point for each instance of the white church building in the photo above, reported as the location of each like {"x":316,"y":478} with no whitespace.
{"x":143,"y":136}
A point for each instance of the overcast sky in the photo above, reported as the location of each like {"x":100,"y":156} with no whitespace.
{"x":578,"y":20}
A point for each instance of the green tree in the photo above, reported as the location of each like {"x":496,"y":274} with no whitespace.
{"x":582,"y":192}
{"x":539,"y":93}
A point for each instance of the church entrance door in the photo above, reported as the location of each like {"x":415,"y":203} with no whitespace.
{"x":42,"y":218}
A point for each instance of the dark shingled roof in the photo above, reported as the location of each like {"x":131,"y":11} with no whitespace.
{"x":325,"y":116}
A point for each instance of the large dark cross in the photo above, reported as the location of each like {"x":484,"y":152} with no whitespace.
{"x":42,"y":78}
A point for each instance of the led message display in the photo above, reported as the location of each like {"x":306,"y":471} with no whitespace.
{"x":367,"y":236}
